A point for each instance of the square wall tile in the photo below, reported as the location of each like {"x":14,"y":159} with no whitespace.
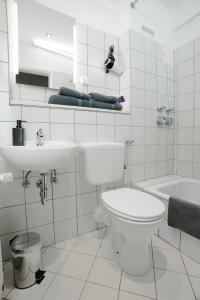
{"x":35,"y":114}
{"x":61,"y":115}
{"x":85,"y":133}
{"x":111,"y":40}
{"x":137,"y":41}
{"x":66,"y":185}
{"x":96,"y":38}
{"x":150,"y":47}
{"x":4,"y":77}
{"x":4,"y":47}
{"x":86,"y":203}
{"x":12,"y":219}
{"x":105,"y":133}
{"x":64,"y":208}
{"x":137,"y":60}
{"x":124,"y":41}
{"x":185,"y":52}
{"x":44,"y":214}
{"x":86,"y":223}
{"x":32,"y":93}
{"x":3,"y":17}
{"x":65,"y":230}
{"x":96,"y":76}
{"x":85,"y":117}
{"x":46,"y":233}
{"x":95,"y":57}
{"x":62,"y":132}
{"x":12,"y":194}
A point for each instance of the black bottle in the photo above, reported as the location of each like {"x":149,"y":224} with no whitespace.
{"x":18,"y":134}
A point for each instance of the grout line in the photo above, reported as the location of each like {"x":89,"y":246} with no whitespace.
{"x":120,"y":281}
{"x":154,"y":274}
{"x":188,"y":276}
{"x":91,"y":267}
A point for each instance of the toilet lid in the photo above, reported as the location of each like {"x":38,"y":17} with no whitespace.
{"x":133,"y":205}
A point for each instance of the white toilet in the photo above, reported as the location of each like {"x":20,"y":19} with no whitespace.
{"x":134,"y":215}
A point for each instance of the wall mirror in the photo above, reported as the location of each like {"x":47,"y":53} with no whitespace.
{"x":40,"y":46}
{"x":43,"y":57}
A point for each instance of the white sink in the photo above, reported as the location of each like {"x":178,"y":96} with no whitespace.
{"x":51,"y":155}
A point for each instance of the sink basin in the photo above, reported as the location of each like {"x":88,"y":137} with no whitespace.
{"x":52,"y":155}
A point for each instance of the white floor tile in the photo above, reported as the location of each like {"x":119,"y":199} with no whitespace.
{"x":168,"y":260}
{"x":105,"y":250}
{"x":90,"y":243}
{"x":64,"y":288}
{"x":192,"y":267}
{"x":98,"y":292}
{"x":53,"y":259}
{"x":159,"y":243}
{"x":66,"y":245}
{"x":105,"y":272}
{"x":130,"y":296}
{"x":33,"y":293}
{"x":196,"y":286}
{"x":171,"y":285}
{"x":142,"y":285}
{"x":77,"y":265}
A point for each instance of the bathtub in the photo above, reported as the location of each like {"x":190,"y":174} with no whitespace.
{"x":181,"y":187}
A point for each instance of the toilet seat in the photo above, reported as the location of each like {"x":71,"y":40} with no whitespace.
{"x":133,"y":205}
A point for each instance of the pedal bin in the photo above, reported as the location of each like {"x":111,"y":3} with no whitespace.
{"x":26,"y":258}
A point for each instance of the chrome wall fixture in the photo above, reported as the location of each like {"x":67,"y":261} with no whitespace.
{"x":41,"y":184}
{"x":165,"y":118}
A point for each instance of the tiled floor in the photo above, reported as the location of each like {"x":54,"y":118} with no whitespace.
{"x":83,"y":269}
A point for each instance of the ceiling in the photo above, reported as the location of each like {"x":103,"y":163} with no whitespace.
{"x":171,"y":4}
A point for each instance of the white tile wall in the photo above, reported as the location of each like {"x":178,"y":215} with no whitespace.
{"x":187,"y":109}
{"x":151,"y":82}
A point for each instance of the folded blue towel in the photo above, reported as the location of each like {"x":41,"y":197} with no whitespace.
{"x":103,"y":98}
{"x":72,"y":93}
{"x":118,"y":106}
{"x":65,"y":100}
{"x":104,"y":105}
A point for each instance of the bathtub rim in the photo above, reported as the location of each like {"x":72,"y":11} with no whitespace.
{"x":153,"y":188}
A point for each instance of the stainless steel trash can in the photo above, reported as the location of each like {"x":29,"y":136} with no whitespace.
{"x":26,"y":257}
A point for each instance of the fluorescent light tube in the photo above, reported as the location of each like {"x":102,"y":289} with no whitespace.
{"x":53,"y":47}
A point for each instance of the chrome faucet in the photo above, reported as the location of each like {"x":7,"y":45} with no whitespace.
{"x":40,"y":137}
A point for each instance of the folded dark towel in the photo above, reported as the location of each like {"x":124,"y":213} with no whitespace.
{"x":72,"y":93}
{"x":103,"y":98}
{"x":184,"y":216}
{"x":87,"y":103}
{"x":118,"y":106}
{"x":104,"y":105}
{"x":65,"y":100}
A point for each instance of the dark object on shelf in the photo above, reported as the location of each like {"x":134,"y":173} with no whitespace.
{"x":32,"y":79}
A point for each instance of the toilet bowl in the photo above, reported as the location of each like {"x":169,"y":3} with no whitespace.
{"x":136,"y":217}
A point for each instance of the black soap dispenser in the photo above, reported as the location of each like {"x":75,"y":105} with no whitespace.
{"x":18,"y":134}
